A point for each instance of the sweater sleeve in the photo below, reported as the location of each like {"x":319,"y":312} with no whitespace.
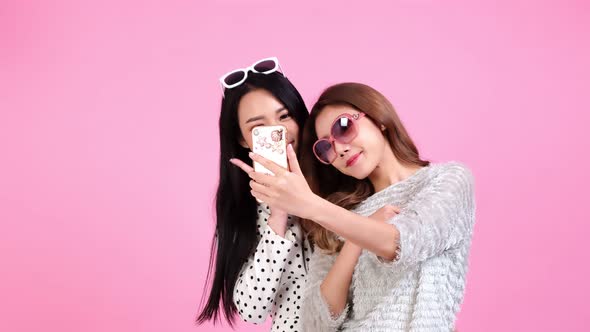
{"x":438,"y":219}
{"x":260,"y":277}
{"x":315,"y":312}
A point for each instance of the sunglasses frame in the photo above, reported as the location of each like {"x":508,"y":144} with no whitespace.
{"x":354,"y":118}
{"x":252,"y":68}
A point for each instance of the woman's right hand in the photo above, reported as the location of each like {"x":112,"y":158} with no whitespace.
{"x":278,"y":218}
{"x":385,"y":213}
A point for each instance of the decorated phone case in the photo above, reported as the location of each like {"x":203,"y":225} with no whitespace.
{"x":270,"y":142}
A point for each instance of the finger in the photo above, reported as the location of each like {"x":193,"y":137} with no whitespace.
{"x":242,"y":165}
{"x":392,"y":209}
{"x":260,"y":196}
{"x":293,"y":162}
{"x":257,"y":199}
{"x":268,"y":164}
{"x":263,"y":178}
{"x":260,"y":188}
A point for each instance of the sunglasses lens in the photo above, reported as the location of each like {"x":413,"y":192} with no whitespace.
{"x":265,"y":66}
{"x":344,"y":130}
{"x":234,"y":77}
{"x":324,"y":151}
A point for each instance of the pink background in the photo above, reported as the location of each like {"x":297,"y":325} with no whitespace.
{"x":108,"y":140}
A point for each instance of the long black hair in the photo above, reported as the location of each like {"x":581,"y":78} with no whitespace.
{"x":235,"y":232}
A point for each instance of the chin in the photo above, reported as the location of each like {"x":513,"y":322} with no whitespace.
{"x":362,"y":176}
{"x":359,"y":173}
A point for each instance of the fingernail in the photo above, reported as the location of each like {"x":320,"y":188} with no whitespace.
{"x":251,"y":154}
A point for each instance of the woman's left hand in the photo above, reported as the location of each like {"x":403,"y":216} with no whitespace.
{"x":286,"y":190}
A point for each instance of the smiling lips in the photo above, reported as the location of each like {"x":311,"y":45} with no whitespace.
{"x":352,"y":160}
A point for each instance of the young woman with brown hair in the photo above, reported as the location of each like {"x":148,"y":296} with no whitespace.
{"x":407,"y":273}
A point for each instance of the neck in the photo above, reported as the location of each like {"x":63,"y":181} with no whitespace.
{"x":390,"y":171}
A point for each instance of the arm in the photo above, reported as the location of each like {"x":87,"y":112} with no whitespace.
{"x":278,"y":222}
{"x":316,"y":314}
{"x":365,"y":232}
{"x":336,"y":285}
{"x":290,"y":192}
{"x":334,"y":288}
{"x":260,"y":277}
{"x":442,"y":216}
{"x":438,"y":219}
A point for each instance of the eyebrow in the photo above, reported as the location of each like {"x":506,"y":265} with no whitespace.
{"x":260,"y":117}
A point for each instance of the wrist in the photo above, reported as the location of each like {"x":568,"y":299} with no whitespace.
{"x":351,"y":248}
{"x":278,"y":223}
{"x":277,"y":214}
{"x":315,"y":208}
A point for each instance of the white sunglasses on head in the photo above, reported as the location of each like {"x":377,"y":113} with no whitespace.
{"x":238,"y":76}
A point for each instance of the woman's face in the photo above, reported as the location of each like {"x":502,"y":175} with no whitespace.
{"x":360,"y":157}
{"x":260,"y":108}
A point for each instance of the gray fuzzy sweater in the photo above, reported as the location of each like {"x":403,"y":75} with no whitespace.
{"x":422,"y":288}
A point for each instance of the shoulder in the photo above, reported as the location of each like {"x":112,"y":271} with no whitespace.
{"x":452,"y":173}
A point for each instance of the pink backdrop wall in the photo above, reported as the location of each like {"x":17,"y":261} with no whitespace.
{"x":108,"y":144}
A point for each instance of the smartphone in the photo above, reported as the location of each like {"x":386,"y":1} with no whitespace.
{"x":271,"y":143}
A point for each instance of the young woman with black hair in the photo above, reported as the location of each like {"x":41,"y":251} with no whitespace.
{"x":259,"y":252}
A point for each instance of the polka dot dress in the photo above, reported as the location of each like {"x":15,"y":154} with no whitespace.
{"x":273,"y":278}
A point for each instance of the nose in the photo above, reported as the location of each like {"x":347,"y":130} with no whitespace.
{"x":341,"y":149}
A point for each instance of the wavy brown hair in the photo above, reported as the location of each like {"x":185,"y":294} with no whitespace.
{"x":329,"y":183}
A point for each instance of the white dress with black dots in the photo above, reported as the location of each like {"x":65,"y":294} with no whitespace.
{"x":273,"y":278}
